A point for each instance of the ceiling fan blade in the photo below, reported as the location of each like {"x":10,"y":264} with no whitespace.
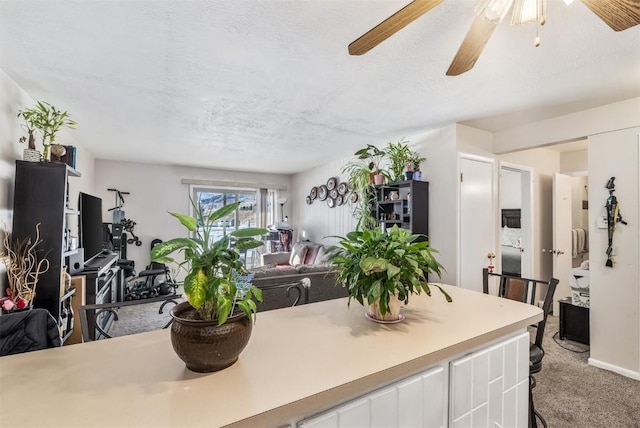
{"x":391,"y":25}
{"x":617,"y":14}
{"x":472,"y":46}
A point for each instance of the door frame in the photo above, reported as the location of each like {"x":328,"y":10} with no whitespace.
{"x":526,"y":266}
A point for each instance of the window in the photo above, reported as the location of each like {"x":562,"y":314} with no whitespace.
{"x":256,"y":209}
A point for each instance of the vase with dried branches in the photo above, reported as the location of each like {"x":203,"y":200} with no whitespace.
{"x":23,"y":266}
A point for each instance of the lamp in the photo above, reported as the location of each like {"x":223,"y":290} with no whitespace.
{"x":493,"y":10}
{"x":525,"y":11}
{"x":282,"y":201}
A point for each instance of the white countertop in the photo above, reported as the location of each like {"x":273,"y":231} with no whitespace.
{"x":299,"y":360}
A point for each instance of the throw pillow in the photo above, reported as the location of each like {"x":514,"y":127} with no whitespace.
{"x":298,"y":253}
{"x":312,"y":254}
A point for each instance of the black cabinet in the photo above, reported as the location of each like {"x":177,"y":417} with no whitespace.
{"x":41,"y":195}
{"x":574,"y":322}
{"x":404,"y":203}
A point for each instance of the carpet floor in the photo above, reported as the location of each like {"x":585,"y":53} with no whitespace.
{"x":569,"y":393}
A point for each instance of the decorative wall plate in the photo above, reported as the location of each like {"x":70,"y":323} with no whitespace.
{"x":333,"y":193}
{"x":331,"y":202}
{"x":322,"y":192}
{"x":343,"y":188}
{"x":354,"y":197}
{"x":309,"y":200}
{"x":314,"y":192}
{"x":339,"y":200}
{"x":331,"y":183}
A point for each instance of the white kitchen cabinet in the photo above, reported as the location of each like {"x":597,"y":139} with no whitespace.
{"x":489,"y":387}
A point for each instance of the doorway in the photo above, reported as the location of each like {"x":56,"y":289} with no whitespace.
{"x":516,"y":226}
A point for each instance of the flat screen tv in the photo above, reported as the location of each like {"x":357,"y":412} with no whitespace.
{"x":91,"y":234}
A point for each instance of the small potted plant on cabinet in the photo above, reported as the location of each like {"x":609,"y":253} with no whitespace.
{"x":398,"y":154}
{"x":374,"y":156}
{"x":383,"y":268}
{"x":211,"y":329}
{"x":48,"y":120}
{"x":415,"y":159}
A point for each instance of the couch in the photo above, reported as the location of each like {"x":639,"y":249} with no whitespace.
{"x":304,"y":268}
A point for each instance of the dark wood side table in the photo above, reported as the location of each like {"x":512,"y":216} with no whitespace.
{"x":574,"y":322}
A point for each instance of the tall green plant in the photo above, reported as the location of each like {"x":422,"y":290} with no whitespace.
{"x":374,"y":264}
{"x":216,"y":282}
{"x":399,"y":154}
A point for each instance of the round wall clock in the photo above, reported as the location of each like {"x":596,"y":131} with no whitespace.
{"x":331,"y":202}
{"x":309,"y":200}
{"x":343,"y":188}
{"x":322,"y":192}
{"x":331,"y":183}
{"x":314,"y":192}
{"x":333,"y":193}
{"x":339,"y":200}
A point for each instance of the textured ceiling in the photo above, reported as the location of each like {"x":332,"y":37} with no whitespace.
{"x":268,"y":85}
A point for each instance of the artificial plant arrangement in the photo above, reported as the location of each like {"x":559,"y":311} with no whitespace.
{"x":380,"y":268}
{"x":48,"y":120}
{"x":23,"y":269}
{"x":399,"y":155}
{"x":216,"y":284}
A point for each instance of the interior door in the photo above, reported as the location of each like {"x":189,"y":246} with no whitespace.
{"x":561,"y":237}
{"x":477,"y":236}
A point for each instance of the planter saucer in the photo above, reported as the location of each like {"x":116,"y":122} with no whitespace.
{"x":368,"y":316}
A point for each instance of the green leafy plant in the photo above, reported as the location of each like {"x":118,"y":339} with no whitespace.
{"x":48,"y":120}
{"x":215,"y":283}
{"x":399,"y":155}
{"x":374,"y":264}
{"x":373,"y":156}
{"x":359,"y":179}
{"x":414,"y":161}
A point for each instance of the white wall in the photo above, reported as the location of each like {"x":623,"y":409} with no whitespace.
{"x":317,"y":220}
{"x":14,"y":98}
{"x":156,"y":190}
{"x":615,"y":292}
{"x":570,"y":127}
{"x":575,"y":161}
{"x":441,"y":170}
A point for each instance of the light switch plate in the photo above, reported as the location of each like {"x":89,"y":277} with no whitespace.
{"x":602,"y":222}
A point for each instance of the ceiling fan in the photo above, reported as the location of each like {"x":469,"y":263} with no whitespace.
{"x":617,"y":14}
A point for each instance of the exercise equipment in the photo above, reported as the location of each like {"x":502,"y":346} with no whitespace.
{"x":152,"y":282}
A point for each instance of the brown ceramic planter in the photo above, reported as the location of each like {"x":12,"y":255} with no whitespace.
{"x":203,"y":345}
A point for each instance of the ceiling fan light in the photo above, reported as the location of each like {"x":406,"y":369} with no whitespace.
{"x":493,"y":10}
{"x":526,"y":11}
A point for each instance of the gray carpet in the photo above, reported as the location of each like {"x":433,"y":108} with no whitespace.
{"x":569,"y":392}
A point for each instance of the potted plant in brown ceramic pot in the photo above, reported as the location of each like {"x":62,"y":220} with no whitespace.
{"x":211,"y":329}
{"x":382,"y":269}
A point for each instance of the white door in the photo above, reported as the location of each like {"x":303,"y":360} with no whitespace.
{"x":477,"y":220}
{"x":561,"y":237}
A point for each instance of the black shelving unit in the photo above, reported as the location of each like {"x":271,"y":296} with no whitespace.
{"x":410,"y":210}
{"x":41,"y":195}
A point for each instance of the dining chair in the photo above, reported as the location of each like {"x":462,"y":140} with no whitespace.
{"x":529,"y":291}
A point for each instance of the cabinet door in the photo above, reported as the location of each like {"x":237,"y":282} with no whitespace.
{"x":489,"y":388}
{"x":418,"y":401}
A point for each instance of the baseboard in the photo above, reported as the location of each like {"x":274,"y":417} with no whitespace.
{"x":624,"y":372}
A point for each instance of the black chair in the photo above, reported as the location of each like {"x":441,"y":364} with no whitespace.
{"x":94,"y":313}
{"x":526,"y":290}
{"x":273,"y":298}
